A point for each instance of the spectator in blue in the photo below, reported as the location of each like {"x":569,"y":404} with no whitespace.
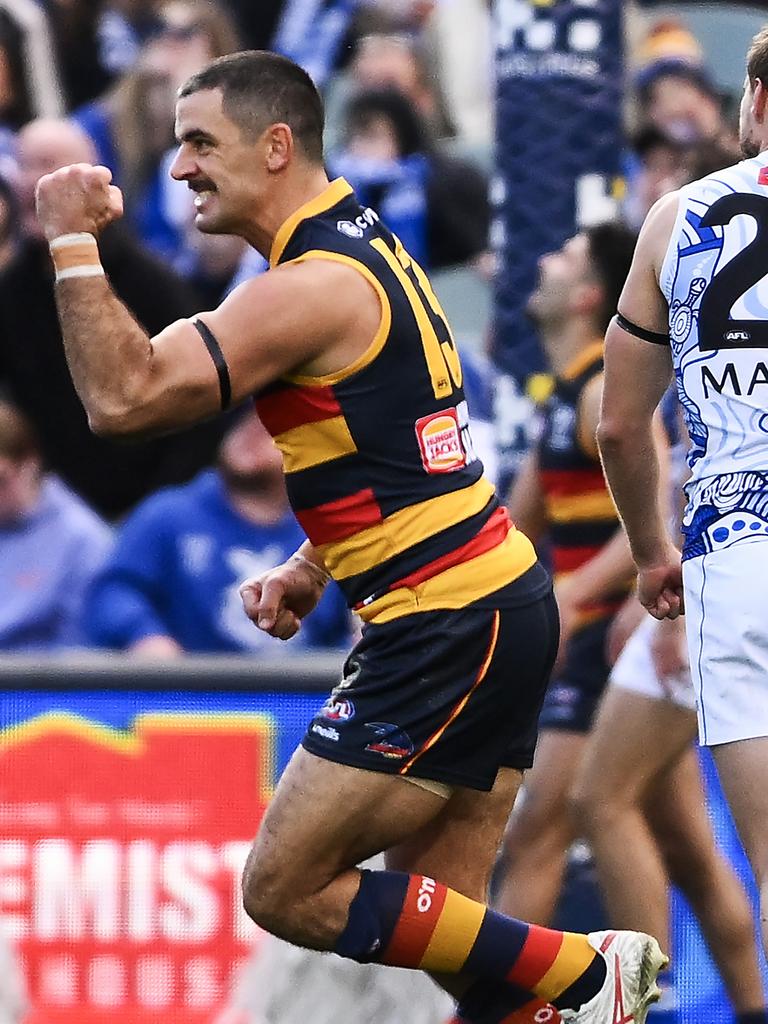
{"x":436,"y":204}
{"x":171,"y":584}
{"x":131,"y":126}
{"x":51,"y":545}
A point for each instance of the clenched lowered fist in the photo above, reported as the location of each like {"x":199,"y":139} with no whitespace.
{"x":79,"y":197}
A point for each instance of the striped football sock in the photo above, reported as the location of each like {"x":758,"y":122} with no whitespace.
{"x":498,"y":1002}
{"x":413,"y":921}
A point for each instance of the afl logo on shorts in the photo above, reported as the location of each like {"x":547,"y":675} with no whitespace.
{"x":338,"y":710}
{"x":439,"y":437}
{"x":348,"y":228}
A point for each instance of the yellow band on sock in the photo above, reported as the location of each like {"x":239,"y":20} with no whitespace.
{"x":574,"y":958}
{"x":76,"y":255}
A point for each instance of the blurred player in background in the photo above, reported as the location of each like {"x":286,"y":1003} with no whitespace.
{"x":560,"y":497}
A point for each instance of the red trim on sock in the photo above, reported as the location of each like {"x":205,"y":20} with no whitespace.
{"x":527,"y":1014}
{"x":418,"y":919}
{"x":539,"y":952}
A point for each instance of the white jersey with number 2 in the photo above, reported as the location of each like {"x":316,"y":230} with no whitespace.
{"x":715,"y":279}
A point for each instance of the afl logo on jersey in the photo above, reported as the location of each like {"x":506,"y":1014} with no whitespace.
{"x":439,"y":437}
{"x":348,"y":228}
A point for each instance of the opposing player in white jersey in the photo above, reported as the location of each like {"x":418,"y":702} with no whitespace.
{"x":639,"y":796}
{"x":696,"y":304}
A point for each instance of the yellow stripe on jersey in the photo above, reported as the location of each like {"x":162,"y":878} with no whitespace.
{"x":403,"y":529}
{"x":575,"y":507}
{"x":314,"y":443}
{"x":460,"y":585}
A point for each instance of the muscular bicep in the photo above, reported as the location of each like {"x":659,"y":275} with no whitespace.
{"x":268,"y":327}
{"x":638,"y":370}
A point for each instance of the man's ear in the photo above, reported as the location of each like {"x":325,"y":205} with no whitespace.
{"x":279,"y":146}
{"x":760,"y":101}
{"x":587,"y":298}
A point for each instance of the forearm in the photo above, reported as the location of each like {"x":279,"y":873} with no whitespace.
{"x":605,"y":573}
{"x":631,"y":466}
{"x":109,"y":354}
{"x":129,"y":383}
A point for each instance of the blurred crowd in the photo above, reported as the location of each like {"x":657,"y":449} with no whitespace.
{"x":100,"y":540}
{"x":141,"y":548}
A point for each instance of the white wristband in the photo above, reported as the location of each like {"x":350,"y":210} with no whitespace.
{"x":80,"y":270}
{"x":76,"y":255}
{"x":73,"y":238}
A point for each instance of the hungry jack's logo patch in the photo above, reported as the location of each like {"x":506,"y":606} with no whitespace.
{"x":439,"y":437}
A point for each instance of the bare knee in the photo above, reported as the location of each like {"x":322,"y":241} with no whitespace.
{"x":269,"y":900}
{"x":536,"y":827}
{"x":591,"y":808}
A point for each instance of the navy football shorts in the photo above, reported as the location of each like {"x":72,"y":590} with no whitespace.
{"x":576,"y":690}
{"x":449,"y":696}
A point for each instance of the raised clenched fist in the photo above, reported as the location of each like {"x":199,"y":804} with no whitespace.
{"x":79,"y":197}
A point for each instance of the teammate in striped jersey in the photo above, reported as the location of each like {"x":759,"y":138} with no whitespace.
{"x":560,"y":499}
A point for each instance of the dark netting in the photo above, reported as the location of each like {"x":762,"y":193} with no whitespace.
{"x":559,"y":66}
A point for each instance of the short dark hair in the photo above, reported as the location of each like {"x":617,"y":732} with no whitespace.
{"x":757,"y":58}
{"x":261,"y":88}
{"x":611,"y":247}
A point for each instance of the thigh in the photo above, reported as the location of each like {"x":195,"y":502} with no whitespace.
{"x":459,"y":846}
{"x":635,"y":738}
{"x":540,"y":819}
{"x":326,"y":817}
{"x":676,"y":809}
{"x":743,"y":769}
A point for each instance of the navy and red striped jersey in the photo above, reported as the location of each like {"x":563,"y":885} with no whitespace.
{"x":378,"y":457}
{"x":581,"y":516}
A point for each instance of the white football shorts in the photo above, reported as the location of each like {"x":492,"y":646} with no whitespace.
{"x":634,"y":670}
{"x":726,"y":613}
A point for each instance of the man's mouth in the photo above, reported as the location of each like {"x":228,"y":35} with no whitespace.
{"x":203,"y":191}
{"x":202,"y":197}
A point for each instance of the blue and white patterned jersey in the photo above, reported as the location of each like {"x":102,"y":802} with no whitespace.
{"x":715,"y":279}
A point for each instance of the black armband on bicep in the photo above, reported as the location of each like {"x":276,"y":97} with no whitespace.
{"x":219,"y":362}
{"x":641,"y":332}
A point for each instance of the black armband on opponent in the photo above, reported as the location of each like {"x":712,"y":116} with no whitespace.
{"x":219,"y":362}
{"x":641,"y":332}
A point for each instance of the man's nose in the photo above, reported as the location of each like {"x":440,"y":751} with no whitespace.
{"x":182,"y":167}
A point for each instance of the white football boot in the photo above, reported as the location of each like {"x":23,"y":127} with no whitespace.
{"x":633,"y":960}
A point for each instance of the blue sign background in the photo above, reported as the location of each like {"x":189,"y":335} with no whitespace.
{"x":701,"y":993}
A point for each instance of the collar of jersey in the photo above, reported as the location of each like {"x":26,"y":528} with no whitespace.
{"x":328,"y":198}
{"x":588,"y":355}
